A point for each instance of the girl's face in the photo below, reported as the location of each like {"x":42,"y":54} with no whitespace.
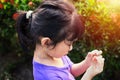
{"x":61,"y":49}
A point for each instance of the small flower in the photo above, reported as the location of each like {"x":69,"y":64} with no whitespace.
{"x":15,"y":16}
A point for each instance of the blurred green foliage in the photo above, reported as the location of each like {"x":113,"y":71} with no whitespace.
{"x":102,"y":32}
{"x":11,"y":54}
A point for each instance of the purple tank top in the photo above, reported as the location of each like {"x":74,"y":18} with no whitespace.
{"x":44,"y":72}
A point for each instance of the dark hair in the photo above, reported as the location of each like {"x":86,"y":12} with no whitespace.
{"x":55,"y":19}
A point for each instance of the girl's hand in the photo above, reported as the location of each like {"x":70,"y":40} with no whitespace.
{"x":91,"y":55}
{"x":95,"y":68}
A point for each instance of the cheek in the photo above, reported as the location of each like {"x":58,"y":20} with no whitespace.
{"x":63,"y":49}
{"x":60,"y":50}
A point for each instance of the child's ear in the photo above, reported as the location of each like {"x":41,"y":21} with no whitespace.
{"x":45,"y":41}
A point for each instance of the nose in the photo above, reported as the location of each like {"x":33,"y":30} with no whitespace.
{"x":71,"y":47}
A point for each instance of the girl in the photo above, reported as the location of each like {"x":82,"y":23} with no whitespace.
{"x":50,"y":31}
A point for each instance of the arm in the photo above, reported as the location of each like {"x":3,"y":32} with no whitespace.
{"x":80,"y":68}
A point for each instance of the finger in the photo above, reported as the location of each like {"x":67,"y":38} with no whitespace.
{"x":94,"y":59}
{"x":96,"y":52}
{"x":101,"y":64}
{"x":100,"y":56}
{"x":100,"y":51}
{"x":91,"y":54}
{"x":100,"y":60}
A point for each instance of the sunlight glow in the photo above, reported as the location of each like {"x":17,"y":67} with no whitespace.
{"x":114,"y":5}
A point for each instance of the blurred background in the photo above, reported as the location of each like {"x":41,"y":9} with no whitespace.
{"x":102,"y":22}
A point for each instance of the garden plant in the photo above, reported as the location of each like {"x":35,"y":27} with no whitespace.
{"x":102,"y":32}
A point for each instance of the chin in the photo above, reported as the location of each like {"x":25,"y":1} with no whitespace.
{"x":66,"y":53}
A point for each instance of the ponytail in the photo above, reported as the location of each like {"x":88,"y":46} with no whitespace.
{"x":23,"y":30}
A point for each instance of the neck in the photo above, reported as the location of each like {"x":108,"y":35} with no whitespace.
{"x":41,"y":53}
{"x":41,"y":56}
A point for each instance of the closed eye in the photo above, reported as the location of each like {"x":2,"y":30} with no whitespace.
{"x":69,"y":43}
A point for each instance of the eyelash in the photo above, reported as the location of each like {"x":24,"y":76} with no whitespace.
{"x":69,"y":43}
